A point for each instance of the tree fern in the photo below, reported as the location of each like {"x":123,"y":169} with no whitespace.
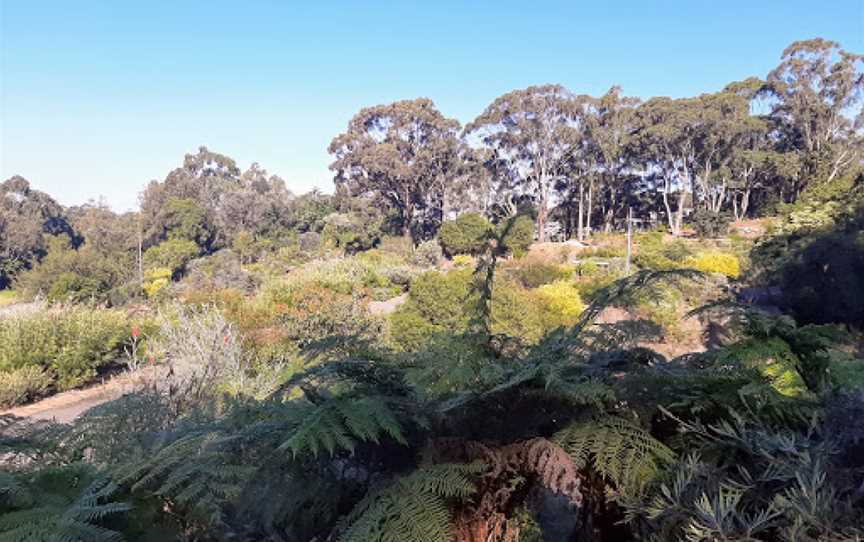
{"x":196,"y":471}
{"x":620,"y":451}
{"x":414,"y":507}
{"x":341,"y":422}
{"x":58,"y":504}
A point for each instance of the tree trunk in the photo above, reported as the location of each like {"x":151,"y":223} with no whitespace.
{"x":581,"y":232}
{"x":407,"y":218}
{"x":745,"y":203}
{"x":679,"y":214}
{"x":669,"y":215}
{"x":590,"y":209}
{"x":609,"y":216}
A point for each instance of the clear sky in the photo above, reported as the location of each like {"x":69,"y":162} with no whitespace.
{"x":99,"y":97}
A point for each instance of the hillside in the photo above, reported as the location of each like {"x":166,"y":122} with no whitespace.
{"x":574,"y":318}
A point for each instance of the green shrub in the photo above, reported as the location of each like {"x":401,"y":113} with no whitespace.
{"x":652,"y":252}
{"x":67,"y":274}
{"x":437,"y":303}
{"x":70,"y":343}
{"x":353,"y":231}
{"x":7,"y":297}
{"x":218,"y":271}
{"x":172,"y":254}
{"x":709,"y":224}
{"x":534,"y":274}
{"x":517,"y":234}
{"x":22,"y":385}
{"x":72,"y":287}
{"x":517,"y":313}
{"x":603,"y":252}
{"x":427,"y":254}
{"x":463,"y":260}
{"x":467,"y":234}
{"x":715,"y":262}
{"x":824,"y":281}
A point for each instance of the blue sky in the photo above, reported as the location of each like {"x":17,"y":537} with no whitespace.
{"x":99,"y":97}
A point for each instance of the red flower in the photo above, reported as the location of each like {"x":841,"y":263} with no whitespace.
{"x":136,"y":332}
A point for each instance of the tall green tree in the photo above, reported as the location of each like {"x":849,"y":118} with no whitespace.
{"x":205,"y":178}
{"x":819,"y":88}
{"x":609,"y":131}
{"x":535,"y":135}
{"x":402,"y":154}
{"x":665,"y":141}
{"x":26,"y":216}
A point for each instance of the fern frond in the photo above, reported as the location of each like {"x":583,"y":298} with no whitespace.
{"x":62,"y":513}
{"x":340,"y":423}
{"x":414,"y":507}
{"x":620,"y":451}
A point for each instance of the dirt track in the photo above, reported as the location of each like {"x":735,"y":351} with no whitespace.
{"x":68,"y":405}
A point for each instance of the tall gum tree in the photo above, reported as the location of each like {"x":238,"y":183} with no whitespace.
{"x":534,"y":133}
{"x":401,"y":153}
{"x":665,"y":141}
{"x":819,"y":89}
{"x":609,"y":129}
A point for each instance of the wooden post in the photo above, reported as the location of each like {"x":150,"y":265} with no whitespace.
{"x":629,"y":238}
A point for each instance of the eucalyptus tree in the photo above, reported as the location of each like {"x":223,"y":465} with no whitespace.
{"x":534,"y":134}
{"x":818,"y":90}
{"x":609,"y":131}
{"x":402,"y":154}
{"x":204,"y":178}
{"x":25,"y":216}
{"x":260,"y":206}
{"x":724,"y":127}
{"x":665,"y":142}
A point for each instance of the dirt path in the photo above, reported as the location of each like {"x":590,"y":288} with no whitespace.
{"x":68,"y":405}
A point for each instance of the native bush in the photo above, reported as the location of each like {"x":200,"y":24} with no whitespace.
{"x":714,"y":262}
{"x":23,"y":385}
{"x":69,"y":275}
{"x":463,"y":261}
{"x":353,"y":231}
{"x":517,"y":313}
{"x":71,"y":344}
{"x":218,"y":271}
{"x":709,"y":224}
{"x":427,"y":254}
{"x":172,"y":254}
{"x":516,"y":234}
{"x":467,"y":234}
{"x":562,"y":304}
{"x":437,"y":303}
{"x":822,"y":282}
{"x":532,"y":274}
{"x":155,"y":280}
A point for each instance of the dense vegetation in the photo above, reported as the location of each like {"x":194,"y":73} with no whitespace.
{"x":410,"y":358}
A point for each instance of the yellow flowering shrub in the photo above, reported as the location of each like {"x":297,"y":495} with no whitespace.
{"x":155,"y":280}
{"x":715,"y":262}
{"x":463,"y":260}
{"x":562,"y":303}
